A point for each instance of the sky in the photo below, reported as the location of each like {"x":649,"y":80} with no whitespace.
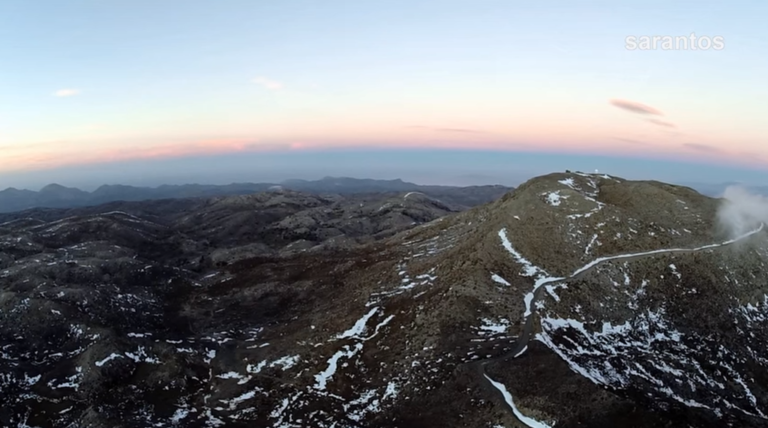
{"x":147,"y":92}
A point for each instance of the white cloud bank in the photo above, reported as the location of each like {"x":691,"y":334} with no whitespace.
{"x":268,"y":83}
{"x":66,"y":92}
{"x":741,"y":211}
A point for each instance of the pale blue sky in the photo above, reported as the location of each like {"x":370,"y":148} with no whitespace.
{"x":164,"y":75}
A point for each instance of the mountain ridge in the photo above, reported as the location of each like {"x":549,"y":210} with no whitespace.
{"x":58,"y":196}
{"x":568,"y":292}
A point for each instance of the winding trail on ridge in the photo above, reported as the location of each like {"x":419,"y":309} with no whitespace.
{"x":497,"y":388}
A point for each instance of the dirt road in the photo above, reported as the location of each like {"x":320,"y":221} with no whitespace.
{"x":478,"y":367}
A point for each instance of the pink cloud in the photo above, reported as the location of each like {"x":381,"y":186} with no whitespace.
{"x":635,"y":107}
{"x":662,"y":123}
{"x":50,"y":155}
{"x":63,"y":153}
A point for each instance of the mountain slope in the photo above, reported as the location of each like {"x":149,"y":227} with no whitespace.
{"x":576,"y":300}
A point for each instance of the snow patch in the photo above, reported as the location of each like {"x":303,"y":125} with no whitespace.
{"x":529,"y":422}
{"x":497,"y":279}
{"x":359,"y":326}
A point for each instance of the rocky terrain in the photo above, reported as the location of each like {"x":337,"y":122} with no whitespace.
{"x":194,"y":233}
{"x":576,"y":300}
{"x":58,"y":196}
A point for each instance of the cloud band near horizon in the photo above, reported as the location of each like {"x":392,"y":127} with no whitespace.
{"x":53,"y":155}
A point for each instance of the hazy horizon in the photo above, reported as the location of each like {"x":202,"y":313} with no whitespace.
{"x":446,"y":167}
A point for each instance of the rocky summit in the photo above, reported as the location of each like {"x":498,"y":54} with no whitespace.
{"x":576,"y":300}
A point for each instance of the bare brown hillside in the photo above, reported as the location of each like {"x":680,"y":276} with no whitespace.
{"x":515,"y":313}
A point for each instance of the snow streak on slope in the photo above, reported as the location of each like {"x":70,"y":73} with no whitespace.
{"x":359,"y":326}
{"x":648,"y":353}
{"x":346,"y":379}
{"x":530,"y":422}
{"x":530,"y":270}
{"x":499,"y":280}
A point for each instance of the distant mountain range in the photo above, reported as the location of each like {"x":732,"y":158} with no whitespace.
{"x":58,"y":196}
